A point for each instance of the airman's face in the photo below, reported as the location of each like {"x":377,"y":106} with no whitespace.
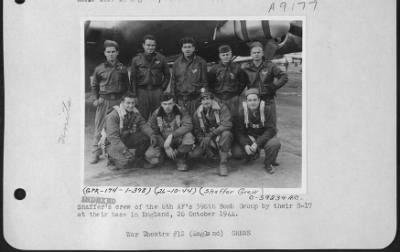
{"x":225,"y":57}
{"x":206,"y":102}
{"x":111,"y":53}
{"x":188,"y":49}
{"x":168,"y":105}
{"x":149,"y":46}
{"x":256,"y":53}
{"x":129,"y":104}
{"x":253,"y":101}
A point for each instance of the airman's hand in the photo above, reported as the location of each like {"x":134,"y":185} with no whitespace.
{"x":254,"y":147}
{"x":98,"y":101}
{"x":171,"y":153}
{"x":153,"y":140}
{"x":167,"y":142}
{"x":205,"y":142}
{"x":128,"y":154}
{"x":248,"y":150}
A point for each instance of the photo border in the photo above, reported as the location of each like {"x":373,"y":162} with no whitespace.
{"x":303,"y":189}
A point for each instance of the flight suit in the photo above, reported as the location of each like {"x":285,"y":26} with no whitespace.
{"x":216,"y":123}
{"x":227,"y":82}
{"x":188,"y":77}
{"x":150,"y":75}
{"x":179,"y":124}
{"x":214,"y":126}
{"x":124,"y":131}
{"x":262,"y":78}
{"x":109,"y":83}
{"x":256,"y":127}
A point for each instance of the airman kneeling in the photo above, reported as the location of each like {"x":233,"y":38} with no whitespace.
{"x":212,"y":128}
{"x":255,"y":130}
{"x":125,"y":130}
{"x":172,"y":126}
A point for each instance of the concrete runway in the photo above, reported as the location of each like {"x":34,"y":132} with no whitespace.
{"x":241,"y":174}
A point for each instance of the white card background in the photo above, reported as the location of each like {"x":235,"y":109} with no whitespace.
{"x":350,"y":117}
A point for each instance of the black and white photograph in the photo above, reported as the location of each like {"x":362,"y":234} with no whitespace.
{"x":194,"y":103}
{"x":199,"y":125}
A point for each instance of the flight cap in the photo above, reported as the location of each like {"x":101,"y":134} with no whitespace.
{"x":224,"y":49}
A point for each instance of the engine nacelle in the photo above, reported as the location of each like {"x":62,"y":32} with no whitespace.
{"x":251,"y":30}
{"x":290,"y":44}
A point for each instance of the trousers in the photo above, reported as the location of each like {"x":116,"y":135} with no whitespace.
{"x":138,"y":141}
{"x":271,"y":105}
{"x":100,"y":120}
{"x":182,"y":144}
{"x":189,"y":103}
{"x":148,"y":100}
{"x":224,"y":144}
{"x":232,"y":103}
{"x":271,"y":149}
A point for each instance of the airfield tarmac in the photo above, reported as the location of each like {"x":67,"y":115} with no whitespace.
{"x":204,"y":174}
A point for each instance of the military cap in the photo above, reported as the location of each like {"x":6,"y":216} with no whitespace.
{"x":167,"y":96}
{"x":255,"y":44}
{"x":224,"y":49}
{"x":205,"y":93}
{"x":252,"y":91}
{"x":110,"y":43}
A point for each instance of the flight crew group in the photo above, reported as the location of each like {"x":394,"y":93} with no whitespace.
{"x":202,"y":115}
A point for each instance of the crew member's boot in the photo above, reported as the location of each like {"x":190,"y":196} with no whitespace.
{"x":96,"y":150}
{"x":269,"y":168}
{"x":274,"y":163}
{"x":222,"y":168}
{"x":181,"y":163}
{"x":95,"y":158}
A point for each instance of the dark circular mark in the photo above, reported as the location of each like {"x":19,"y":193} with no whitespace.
{"x":20,"y":194}
{"x":19,"y":1}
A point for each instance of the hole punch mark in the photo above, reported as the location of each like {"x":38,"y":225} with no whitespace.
{"x":19,"y":1}
{"x":19,"y":194}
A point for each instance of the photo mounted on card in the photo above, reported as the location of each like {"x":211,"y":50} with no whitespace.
{"x":198,"y":103}
{"x":199,"y":124}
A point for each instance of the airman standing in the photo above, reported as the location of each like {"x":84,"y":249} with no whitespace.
{"x":189,"y":75}
{"x":227,"y":80}
{"x":150,"y":76}
{"x":262,"y":75}
{"x":110,"y":82}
